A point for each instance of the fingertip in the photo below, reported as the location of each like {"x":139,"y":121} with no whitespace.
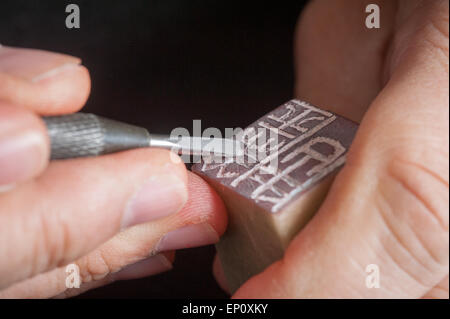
{"x":161,"y":159}
{"x":46,"y":82}
{"x":204,"y":205}
{"x":200,"y":222}
{"x":66,"y":91}
{"x":219,"y":275}
{"x":147,"y":267}
{"x":24,"y":145}
{"x":170,"y":256}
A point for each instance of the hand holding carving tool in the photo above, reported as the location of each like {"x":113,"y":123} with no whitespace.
{"x":85,"y":135}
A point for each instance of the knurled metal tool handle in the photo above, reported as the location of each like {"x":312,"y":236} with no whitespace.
{"x":84,"y":135}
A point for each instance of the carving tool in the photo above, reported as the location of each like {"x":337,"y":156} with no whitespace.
{"x":85,"y":135}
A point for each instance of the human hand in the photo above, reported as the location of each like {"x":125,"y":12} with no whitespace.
{"x":389,"y":205}
{"x":116,"y":217}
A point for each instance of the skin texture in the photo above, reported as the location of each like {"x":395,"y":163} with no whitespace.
{"x":389,"y":205}
{"x":98,"y":213}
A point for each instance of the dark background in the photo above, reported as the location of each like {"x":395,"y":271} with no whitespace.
{"x":161,"y":64}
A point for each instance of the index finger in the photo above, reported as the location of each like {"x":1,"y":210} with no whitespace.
{"x":45,"y":82}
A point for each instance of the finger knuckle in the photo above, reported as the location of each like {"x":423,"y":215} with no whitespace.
{"x":414,"y":208}
{"x":441,"y":17}
{"x":425,"y":185}
{"x":95,"y":266}
{"x":437,"y":39}
{"x":434,"y":31}
{"x":52,"y":247}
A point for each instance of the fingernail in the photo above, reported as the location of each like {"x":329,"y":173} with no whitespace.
{"x":34,"y":65}
{"x":147,"y":267}
{"x":21,"y":155}
{"x":53,"y":72}
{"x":161,"y":196}
{"x":188,"y":237}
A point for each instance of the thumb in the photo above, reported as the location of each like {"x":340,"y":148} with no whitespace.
{"x":76,"y":205}
{"x":389,"y":205}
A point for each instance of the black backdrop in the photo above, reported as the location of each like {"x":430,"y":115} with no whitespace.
{"x":161,"y":64}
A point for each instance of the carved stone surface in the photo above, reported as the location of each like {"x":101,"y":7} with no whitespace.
{"x":311,"y":144}
{"x":291,"y":157}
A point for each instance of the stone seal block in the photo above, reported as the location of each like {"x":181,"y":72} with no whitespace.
{"x":291,"y":157}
